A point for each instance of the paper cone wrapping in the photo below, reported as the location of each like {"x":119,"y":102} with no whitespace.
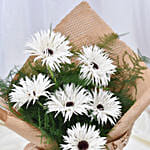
{"x":85,"y":27}
{"x":24,"y":129}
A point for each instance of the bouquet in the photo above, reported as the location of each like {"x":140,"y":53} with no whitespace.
{"x":74,"y":95}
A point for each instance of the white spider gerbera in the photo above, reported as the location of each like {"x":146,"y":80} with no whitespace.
{"x":83,"y":138}
{"x":30,"y":90}
{"x":106,"y":107}
{"x":52,"y":48}
{"x":96,"y":66}
{"x":69,"y":100}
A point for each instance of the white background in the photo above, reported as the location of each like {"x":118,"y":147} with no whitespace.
{"x":21,"y":18}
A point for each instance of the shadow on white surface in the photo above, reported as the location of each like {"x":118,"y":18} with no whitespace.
{"x":140,"y":138}
{"x":10,"y":140}
{"x":137,"y":144}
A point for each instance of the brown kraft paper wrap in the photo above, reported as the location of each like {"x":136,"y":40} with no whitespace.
{"x":85,"y":27}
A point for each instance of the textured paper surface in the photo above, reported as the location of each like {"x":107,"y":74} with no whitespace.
{"x":84,"y":27}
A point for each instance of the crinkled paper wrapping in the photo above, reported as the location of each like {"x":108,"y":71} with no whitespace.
{"x":85,"y":27}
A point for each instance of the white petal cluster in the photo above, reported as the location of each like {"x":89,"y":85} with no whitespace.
{"x":83,"y":138}
{"x":52,"y":48}
{"x":30,"y":90}
{"x":96,"y":66}
{"x":105,"y":107}
{"x":69,"y":100}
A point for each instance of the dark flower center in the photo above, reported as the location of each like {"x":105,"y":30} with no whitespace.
{"x":69,"y":104}
{"x":83,"y":145}
{"x":100,"y":107}
{"x":95,"y":66}
{"x":34,"y":93}
{"x":50,"y":51}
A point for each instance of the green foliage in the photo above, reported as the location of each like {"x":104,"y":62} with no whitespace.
{"x":107,"y":41}
{"x":53,"y":127}
{"x":127,"y":74}
{"x":143,"y":58}
{"x":5,"y":84}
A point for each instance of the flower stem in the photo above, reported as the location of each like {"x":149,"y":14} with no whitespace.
{"x":40,"y":104}
{"x":51,"y":73}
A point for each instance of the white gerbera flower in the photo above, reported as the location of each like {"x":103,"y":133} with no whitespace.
{"x":106,"y":107}
{"x":30,"y":90}
{"x":83,"y":138}
{"x":96,"y":66}
{"x":51,"y":47}
{"x":70,"y":100}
